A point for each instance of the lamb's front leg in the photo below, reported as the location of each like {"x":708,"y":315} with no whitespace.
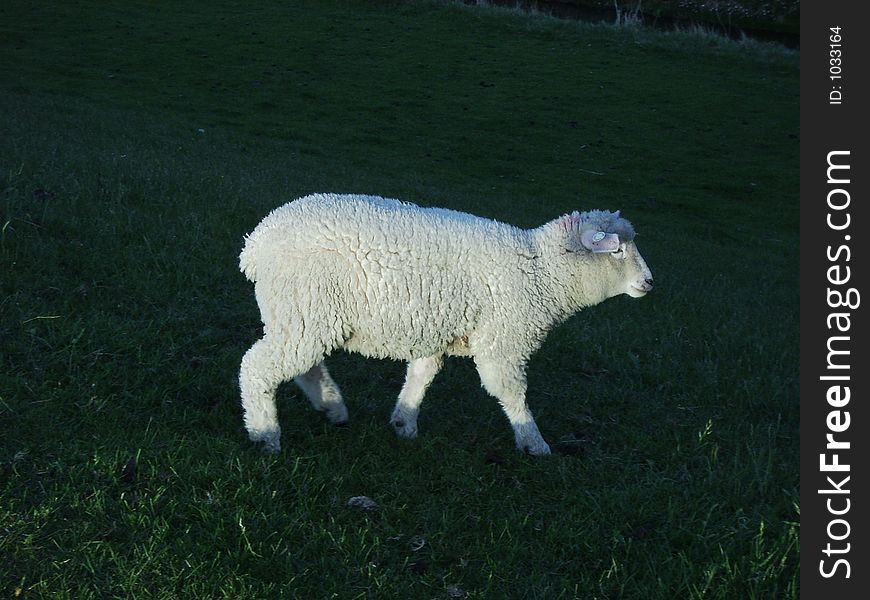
{"x":507,"y":382}
{"x":420,"y":374}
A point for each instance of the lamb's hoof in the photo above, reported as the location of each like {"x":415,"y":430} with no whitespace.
{"x":271,"y":441}
{"x":337,"y":415}
{"x":404,"y":429}
{"x":538,"y":448}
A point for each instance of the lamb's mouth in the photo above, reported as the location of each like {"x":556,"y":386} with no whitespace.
{"x":638,"y":292}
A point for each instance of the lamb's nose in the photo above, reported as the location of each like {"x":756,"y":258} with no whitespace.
{"x":648,"y":284}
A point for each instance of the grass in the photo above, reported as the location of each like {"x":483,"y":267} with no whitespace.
{"x":138,"y":143}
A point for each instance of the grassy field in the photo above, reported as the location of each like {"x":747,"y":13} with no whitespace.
{"x":139,"y":143}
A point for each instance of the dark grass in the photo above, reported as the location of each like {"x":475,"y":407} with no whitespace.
{"x":124,"y":469}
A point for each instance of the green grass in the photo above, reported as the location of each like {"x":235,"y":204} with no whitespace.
{"x":139,"y":143}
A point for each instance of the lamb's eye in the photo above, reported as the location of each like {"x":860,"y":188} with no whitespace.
{"x":619,"y":252}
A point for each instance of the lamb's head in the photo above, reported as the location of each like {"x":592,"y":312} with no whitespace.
{"x":604,"y":242}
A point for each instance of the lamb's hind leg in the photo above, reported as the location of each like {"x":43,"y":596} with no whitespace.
{"x":259,"y":377}
{"x":421,"y":372}
{"x":323,"y":393}
{"x":268,"y":363}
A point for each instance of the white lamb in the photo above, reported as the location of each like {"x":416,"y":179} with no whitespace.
{"x":392,"y":279}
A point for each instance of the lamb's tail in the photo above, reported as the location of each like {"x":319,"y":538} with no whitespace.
{"x":248,"y":259}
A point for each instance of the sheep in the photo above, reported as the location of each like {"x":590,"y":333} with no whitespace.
{"x":391,"y":279}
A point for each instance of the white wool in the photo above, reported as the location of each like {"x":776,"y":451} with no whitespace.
{"x":391,"y":279}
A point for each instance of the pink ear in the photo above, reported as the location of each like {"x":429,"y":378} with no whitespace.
{"x":598,"y":241}
{"x":572,"y":221}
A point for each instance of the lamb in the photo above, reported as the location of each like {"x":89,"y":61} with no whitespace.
{"x":391,"y":279}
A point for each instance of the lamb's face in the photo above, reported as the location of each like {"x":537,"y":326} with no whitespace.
{"x":607,"y":257}
{"x":635,"y":276}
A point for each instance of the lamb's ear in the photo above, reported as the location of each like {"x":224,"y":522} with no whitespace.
{"x":570,"y":226}
{"x":571,"y":222}
{"x":616,"y":215}
{"x":598,"y":241}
